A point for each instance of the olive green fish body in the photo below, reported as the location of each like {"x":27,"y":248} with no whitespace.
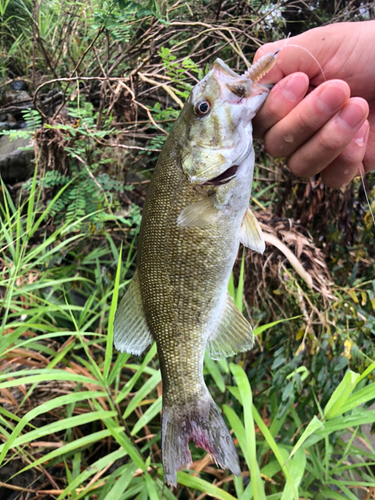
{"x":195,"y":215}
{"x":183,"y":274}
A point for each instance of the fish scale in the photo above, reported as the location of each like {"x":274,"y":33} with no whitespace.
{"x":195,"y":215}
{"x":174,"y":264}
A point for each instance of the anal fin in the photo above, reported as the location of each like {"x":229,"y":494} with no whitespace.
{"x":131,"y":332}
{"x":251,"y":233}
{"x":233,"y":334}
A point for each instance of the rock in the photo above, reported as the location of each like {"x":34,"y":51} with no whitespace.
{"x":18,"y":85}
{"x":8,"y":122}
{"x":8,"y":126}
{"x":15,"y":97}
{"x":15,"y":164}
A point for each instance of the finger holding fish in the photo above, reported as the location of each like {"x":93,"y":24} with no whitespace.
{"x":329,"y":142}
{"x":349,"y":162}
{"x":305,"y":120}
{"x":324,"y":54}
{"x":282,"y":99}
{"x":325,"y":122}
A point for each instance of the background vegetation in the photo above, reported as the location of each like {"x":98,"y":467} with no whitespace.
{"x":78,"y":420}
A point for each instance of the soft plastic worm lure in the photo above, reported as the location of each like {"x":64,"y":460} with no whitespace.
{"x":261,"y":67}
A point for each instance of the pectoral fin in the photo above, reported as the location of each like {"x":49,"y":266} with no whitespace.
{"x":131,"y":333}
{"x":251,"y":233}
{"x":233,"y":335}
{"x":199,"y":214}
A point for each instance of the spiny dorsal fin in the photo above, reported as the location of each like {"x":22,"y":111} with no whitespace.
{"x":131,"y":333}
{"x":199,"y":214}
{"x":251,"y":233}
{"x":233,"y":335}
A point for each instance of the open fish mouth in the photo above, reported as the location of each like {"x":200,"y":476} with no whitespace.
{"x":223,"y":178}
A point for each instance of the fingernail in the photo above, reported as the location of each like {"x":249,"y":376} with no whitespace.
{"x":351,"y":115}
{"x":331,"y":98}
{"x":295,"y":87}
{"x":360,"y":136}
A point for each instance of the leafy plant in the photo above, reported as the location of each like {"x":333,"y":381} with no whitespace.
{"x":86,"y":418}
{"x":176,"y":70}
{"x":33,"y":121}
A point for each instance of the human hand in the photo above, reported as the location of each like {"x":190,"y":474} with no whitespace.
{"x":327,"y":131}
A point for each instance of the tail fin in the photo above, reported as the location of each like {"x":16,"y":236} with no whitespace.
{"x":201,"y":422}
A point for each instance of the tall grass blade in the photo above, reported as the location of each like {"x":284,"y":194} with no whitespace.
{"x":67,"y":449}
{"x":121,"y":484}
{"x":146,"y":388}
{"x":129,"y":385}
{"x":314,"y":425}
{"x":61,"y":425}
{"x":152,"y":493}
{"x":262,"y":328}
{"x":202,"y":485}
{"x":214,"y":371}
{"x":148,"y":415}
{"x":272,"y":444}
{"x":341,"y":394}
{"x":359,"y":398}
{"x":125,"y":443}
{"x":39,"y":410}
{"x":296,"y":471}
{"x":239,"y":431}
{"x":247,"y":401}
{"x":112,"y":312}
{"x":93,"y":469}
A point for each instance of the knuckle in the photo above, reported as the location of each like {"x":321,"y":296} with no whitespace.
{"x":305,"y":123}
{"x":273,"y":146}
{"x":351,"y":156}
{"x":330,"y":143}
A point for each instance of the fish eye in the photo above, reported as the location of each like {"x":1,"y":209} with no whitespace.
{"x":202,"y":108}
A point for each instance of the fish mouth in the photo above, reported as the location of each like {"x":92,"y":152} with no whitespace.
{"x":223,"y":178}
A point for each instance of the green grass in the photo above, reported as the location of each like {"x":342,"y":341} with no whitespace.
{"x":104,"y":430}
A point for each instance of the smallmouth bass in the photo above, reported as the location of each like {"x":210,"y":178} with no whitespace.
{"x":195,"y":216}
